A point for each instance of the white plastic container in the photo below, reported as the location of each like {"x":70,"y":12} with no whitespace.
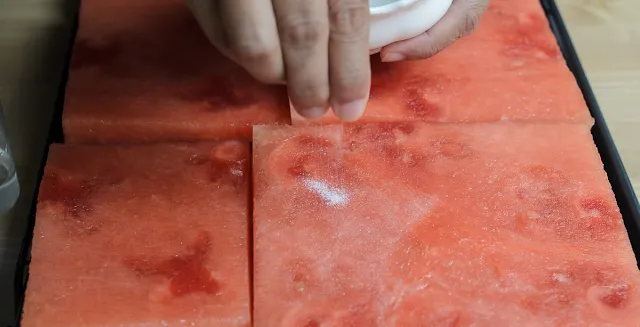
{"x":397,"y":20}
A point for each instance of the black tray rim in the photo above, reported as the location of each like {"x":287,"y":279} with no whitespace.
{"x":612,"y":162}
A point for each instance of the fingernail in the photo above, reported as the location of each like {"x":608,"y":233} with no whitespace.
{"x":391,"y":57}
{"x":313,"y":113}
{"x":350,"y":111}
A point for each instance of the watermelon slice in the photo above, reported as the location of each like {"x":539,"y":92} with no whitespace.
{"x":414,"y":224}
{"x":142,"y":236}
{"x":522,"y":23}
{"x":143,"y":71}
{"x":511,"y":68}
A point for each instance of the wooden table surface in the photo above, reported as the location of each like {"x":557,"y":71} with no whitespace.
{"x":33,"y":35}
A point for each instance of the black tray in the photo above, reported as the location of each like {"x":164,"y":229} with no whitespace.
{"x":625,"y":196}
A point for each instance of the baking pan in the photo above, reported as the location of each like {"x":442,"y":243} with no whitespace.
{"x":620,"y":183}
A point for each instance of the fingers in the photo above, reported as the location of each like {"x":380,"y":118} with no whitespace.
{"x":460,"y":20}
{"x":349,"y":69}
{"x":251,"y":36}
{"x":247,"y":34}
{"x":304,"y":36}
{"x":206,"y":13}
{"x":319,"y":46}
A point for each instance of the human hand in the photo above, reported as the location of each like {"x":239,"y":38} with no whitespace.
{"x":460,"y":20}
{"x":318,"y":48}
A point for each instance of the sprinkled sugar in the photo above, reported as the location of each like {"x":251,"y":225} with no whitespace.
{"x":333,"y":196}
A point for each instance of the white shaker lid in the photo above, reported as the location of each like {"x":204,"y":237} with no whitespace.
{"x":397,"y":20}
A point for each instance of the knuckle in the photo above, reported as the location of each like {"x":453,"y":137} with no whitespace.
{"x":469,"y":24}
{"x":429,"y":49}
{"x":253,"y":51}
{"x":353,"y":85}
{"x":310,"y":94}
{"x":349,"y":18}
{"x":260,"y":60}
{"x":302,"y":33}
{"x":267,"y":76}
{"x":479,"y":6}
{"x":472,"y":16}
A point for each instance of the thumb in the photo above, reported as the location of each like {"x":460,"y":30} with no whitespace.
{"x":460,"y":20}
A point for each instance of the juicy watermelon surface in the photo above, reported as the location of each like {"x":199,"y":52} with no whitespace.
{"x":143,"y":71}
{"x":142,"y":236}
{"x":412,"y":224}
{"x":470,"y":194}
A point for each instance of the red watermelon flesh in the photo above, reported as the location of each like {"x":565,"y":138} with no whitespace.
{"x":143,"y":71}
{"x":511,"y":68}
{"x":142,"y":236}
{"x":407,"y":224}
{"x":521,"y":22}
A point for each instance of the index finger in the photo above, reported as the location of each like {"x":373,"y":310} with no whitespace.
{"x":349,"y":69}
{"x":304,"y":33}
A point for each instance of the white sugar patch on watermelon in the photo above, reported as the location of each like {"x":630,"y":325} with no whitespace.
{"x":333,"y":196}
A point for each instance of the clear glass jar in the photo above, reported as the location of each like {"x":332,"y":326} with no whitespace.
{"x":9,"y":185}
